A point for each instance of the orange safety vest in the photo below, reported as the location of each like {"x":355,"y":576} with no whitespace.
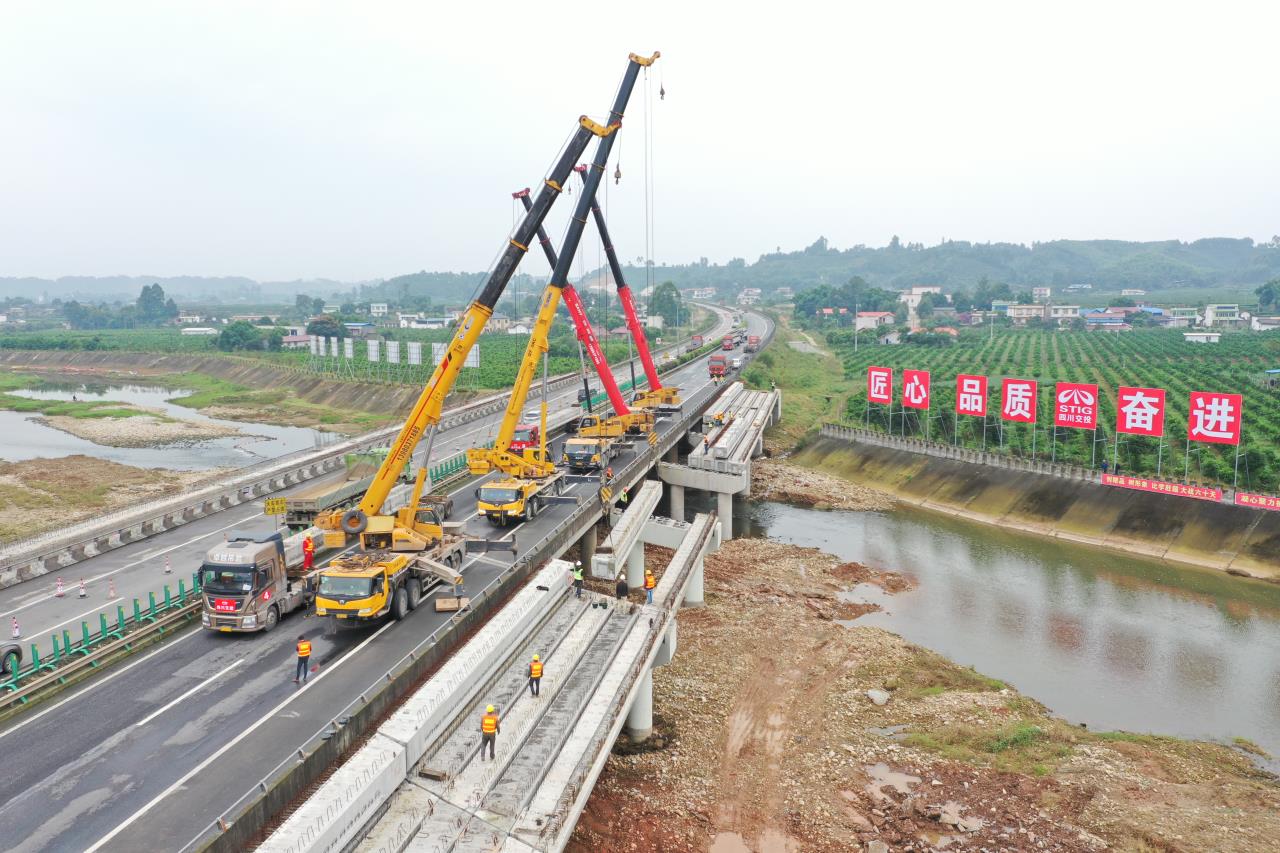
{"x":308,"y":547}
{"x":535,"y":669}
{"x":304,"y":648}
{"x":489,"y":724}
{"x":650,"y":581}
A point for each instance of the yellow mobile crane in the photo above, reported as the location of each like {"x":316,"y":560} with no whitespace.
{"x":370,"y":585}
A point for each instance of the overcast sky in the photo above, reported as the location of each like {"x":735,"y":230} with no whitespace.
{"x":363,"y":140}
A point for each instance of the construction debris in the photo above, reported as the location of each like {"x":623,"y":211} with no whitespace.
{"x":775,"y":479}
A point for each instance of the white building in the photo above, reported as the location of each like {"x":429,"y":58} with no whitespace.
{"x":653,"y":321}
{"x":199,"y":330}
{"x":377,"y":309}
{"x":872,"y":319}
{"x":1041,"y":294}
{"x":1201,"y":337}
{"x":188,"y":318}
{"x":1020,"y":314}
{"x":1063,"y":314}
{"x":1222,"y":315}
{"x":1133,"y":291}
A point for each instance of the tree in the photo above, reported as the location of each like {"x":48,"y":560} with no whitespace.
{"x":962,"y":300}
{"x":1122,"y":302}
{"x":1024,"y":297}
{"x":152,"y":307}
{"x":665,"y":303}
{"x":1269,"y":294}
{"x":927,"y":303}
{"x":264,"y":320}
{"x":325,"y":326}
{"x":240,"y":335}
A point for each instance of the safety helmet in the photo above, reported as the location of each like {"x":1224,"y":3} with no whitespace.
{"x":489,"y":710}
{"x":535,"y":657}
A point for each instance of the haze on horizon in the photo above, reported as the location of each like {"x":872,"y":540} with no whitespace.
{"x":311,"y":140}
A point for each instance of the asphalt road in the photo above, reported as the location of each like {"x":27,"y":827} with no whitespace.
{"x":147,"y":755}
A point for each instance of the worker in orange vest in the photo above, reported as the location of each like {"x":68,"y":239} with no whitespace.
{"x":308,"y":553}
{"x":535,"y":675}
{"x":608,"y":474}
{"x":649,"y":583}
{"x":304,"y":659}
{"x":488,"y":731}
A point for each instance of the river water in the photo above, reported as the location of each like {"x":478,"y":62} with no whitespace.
{"x":1101,"y":638}
{"x":26,"y":438}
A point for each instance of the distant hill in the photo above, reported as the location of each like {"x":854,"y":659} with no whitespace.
{"x":183,"y":288}
{"x":1106,"y":264}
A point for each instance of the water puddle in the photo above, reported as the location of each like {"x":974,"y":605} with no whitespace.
{"x":882,"y":776}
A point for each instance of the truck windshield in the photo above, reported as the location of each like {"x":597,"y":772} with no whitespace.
{"x":226,"y":579}
{"x":528,"y":435}
{"x":346,"y":587}
{"x":492,"y":495}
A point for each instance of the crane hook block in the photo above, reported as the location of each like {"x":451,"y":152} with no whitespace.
{"x":354,"y":521}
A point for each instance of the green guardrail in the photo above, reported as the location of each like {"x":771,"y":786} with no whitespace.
{"x":453,"y":465}
{"x":124,"y":624}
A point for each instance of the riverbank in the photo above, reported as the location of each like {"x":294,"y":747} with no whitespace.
{"x":43,"y":494}
{"x":1237,"y":540}
{"x":779,"y":729}
{"x":140,"y":430}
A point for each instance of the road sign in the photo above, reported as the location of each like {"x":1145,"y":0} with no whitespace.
{"x":653,"y":438}
{"x":274,"y":506}
{"x":605,"y":493}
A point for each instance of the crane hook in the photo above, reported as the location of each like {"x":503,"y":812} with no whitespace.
{"x":617,"y":175}
{"x":662,"y":92}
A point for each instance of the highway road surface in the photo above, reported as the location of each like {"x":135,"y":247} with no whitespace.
{"x":149,"y":754}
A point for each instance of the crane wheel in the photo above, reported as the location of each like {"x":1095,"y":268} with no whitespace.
{"x":354,"y":522}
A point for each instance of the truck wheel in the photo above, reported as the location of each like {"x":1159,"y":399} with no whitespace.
{"x":400,"y":604}
{"x":273,"y":616}
{"x":10,"y":663}
{"x":531,"y":510}
{"x":415,"y":592}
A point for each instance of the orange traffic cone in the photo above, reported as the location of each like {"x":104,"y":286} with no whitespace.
{"x":17,"y":632}
{"x":58,"y":591}
{"x":84,"y":593}
{"x":168,"y":569}
{"x":111,"y":588}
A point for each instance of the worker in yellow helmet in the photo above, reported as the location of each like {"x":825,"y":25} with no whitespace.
{"x":535,"y":675}
{"x":488,"y":731}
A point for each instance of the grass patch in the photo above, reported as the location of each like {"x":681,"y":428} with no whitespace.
{"x":813,"y":384}
{"x":270,"y":405}
{"x":1250,"y":747}
{"x":928,"y":674}
{"x":73,"y":409}
{"x":1033,"y":747}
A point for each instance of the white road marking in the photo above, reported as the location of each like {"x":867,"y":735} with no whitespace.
{"x":100,"y":843}
{"x":96,"y":683}
{"x":202,"y":685}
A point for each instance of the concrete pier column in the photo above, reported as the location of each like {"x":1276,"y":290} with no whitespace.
{"x":640,"y":716}
{"x":587,"y":546}
{"x":677,"y":501}
{"x":693,"y":592}
{"x":724,"y":508}
{"x":635,"y":567}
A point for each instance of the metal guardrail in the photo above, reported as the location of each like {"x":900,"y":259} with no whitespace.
{"x":111,"y":638}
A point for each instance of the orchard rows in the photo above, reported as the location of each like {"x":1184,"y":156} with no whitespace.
{"x":1147,"y":358}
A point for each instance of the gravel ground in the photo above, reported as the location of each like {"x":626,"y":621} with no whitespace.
{"x":775,"y":479}
{"x":138,"y":431}
{"x":767,"y":740}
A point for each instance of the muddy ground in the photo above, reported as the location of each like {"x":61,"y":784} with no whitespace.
{"x":768,"y":740}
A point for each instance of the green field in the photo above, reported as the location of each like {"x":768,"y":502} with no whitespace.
{"x":1156,"y":358}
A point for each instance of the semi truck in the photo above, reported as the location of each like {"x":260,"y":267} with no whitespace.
{"x":695,"y":342}
{"x":249,"y":582}
{"x":361,"y":588}
{"x":716,"y":365}
{"x":727,"y":342}
{"x":302,"y":507}
{"x":753,"y":343}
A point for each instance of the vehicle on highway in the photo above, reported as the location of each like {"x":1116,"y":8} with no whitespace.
{"x":302,"y":507}
{"x":727,"y":342}
{"x":525,"y":437}
{"x":365,"y":587}
{"x":716,"y":365}
{"x":248,"y":583}
{"x":735,"y":363}
{"x":589,"y":454}
{"x":753,"y":343}
{"x":695,"y":342}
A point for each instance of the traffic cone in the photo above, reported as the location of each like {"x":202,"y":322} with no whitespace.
{"x":111,"y":588}
{"x":168,"y":569}
{"x":59,"y":592}
{"x":84,"y":593}
{"x":17,"y":632}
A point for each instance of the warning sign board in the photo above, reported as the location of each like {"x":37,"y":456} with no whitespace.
{"x":274,"y":506}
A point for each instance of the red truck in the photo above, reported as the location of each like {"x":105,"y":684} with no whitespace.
{"x":727,"y":343}
{"x":524,"y":438}
{"x":753,"y":343}
{"x":716,"y":365}
{"x":696,"y":341}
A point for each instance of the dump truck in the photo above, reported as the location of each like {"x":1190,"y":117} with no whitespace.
{"x":589,"y":454}
{"x":716,"y":366}
{"x":249,"y":582}
{"x":753,"y":343}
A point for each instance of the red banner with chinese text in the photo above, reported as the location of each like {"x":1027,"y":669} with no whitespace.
{"x":1162,"y":487}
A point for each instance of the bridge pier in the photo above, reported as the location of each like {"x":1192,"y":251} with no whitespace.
{"x":693,"y":592}
{"x":587,"y":546}
{"x":724,"y":509}
{"x":635,"y":566}
{"x":677,"y":501}
{"x":640,"y":715}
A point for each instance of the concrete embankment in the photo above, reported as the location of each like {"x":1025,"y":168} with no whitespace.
{"x":1214,"y":535}
{"x":248,"y":372}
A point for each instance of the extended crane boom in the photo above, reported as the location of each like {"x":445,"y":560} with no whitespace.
{"x":426,"y":411}
{"x":656,"y":394}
